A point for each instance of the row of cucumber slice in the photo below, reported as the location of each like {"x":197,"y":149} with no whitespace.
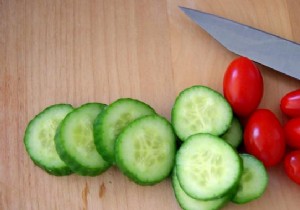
{"x":89,"y":139}
{"x":129,"y":134}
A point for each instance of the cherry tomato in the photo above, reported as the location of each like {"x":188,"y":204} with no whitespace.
{"x":292,"y":165}
{"x":264,"y":137}
{"x":292,"y":133}
{"x":290,"y":104}
{"x":243,"y":86}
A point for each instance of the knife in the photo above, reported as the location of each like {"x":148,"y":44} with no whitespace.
{"x":275,"y":52}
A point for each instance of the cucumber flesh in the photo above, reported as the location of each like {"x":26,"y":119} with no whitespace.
{"x":207,"y":167}
{"x":200,"y":109}
{"x":75,"y":142}
{"x":145,"y":150}
{"x":234,"y":135}
{"x":113,"y":120}
{"x":39,"y":139}
{"x":254,"y":180}
{"x":188,"y":203}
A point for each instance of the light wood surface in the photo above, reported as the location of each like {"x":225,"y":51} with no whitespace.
{"x":81,"y":51}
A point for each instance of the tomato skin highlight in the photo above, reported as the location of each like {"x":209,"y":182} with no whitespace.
{"x":290,"y":103}
{"x":243,"y":86}
{"x":264,"y":137}
{"x":292,"y":166}
{"x":292,"y":133}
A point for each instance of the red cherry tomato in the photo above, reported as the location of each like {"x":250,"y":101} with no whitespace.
{"x":243,"y":86}
{"x":264,"y":137}
{"x":292,"y":133}
{"x":292,"y":165}
{"x":290,"y":104}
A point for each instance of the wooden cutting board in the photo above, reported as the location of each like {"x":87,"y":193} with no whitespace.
{"x":81,"y":51}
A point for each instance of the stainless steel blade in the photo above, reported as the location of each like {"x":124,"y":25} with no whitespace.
{"x":270,"y":50}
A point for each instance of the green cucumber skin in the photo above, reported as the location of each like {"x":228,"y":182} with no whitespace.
{"x":181,"y":203}
{"x":249,"y":199}
{"x":173,"y":111}
{"x":236,"y":130}
{"x":120,"y":162}
{"x":231,"y":189}
{"x":70,"y":160}
{"x":63,"y":171}
{"x":99,"y":132}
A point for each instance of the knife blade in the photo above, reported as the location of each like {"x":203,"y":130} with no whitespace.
{"x":270,"y":50}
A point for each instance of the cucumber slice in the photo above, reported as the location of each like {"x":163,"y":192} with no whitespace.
{"x":234,"y":135}
{"x":188,"y":203}
{"x":39,"y":139}
{"x":145,"y":150}
{"x":200,"y":109}
{"x":207,"y":167}
{"x":75,"y":142}
{"x":113,"y":120}
{"x":254,"y":180}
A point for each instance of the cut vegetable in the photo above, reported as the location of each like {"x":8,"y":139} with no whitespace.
{"x":145,"y":150}
{"x":234,"y":135}
{"x":75,"y":142}
{"x":39,"y":139}
{"x":207,"y":167}
{"x":113,"y":120}
{"x":188,"y":203}
{"x":253,"y":182}
{"x":200,"y":109}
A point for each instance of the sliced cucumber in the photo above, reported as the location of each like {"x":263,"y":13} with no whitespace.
{"x":254,"y":180}
{"x":145,"y":150}
{"x":200,"y":109}
{"x":39,"y":139}
{"x":207,"y":167}
{"x":75,"y":142}
{"x":113,"y":120}
{"x":234,"y":135}
{"x":188,"y":203}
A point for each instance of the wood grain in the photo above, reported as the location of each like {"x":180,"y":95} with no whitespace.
{"x":54,"y":51}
